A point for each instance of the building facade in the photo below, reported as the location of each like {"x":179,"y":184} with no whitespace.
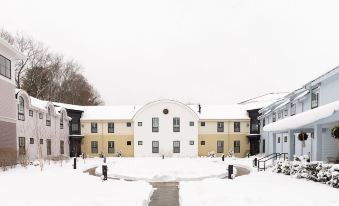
{"x":164,"y":127}
{"x":8,"y":115}
{"x":312,"y":109}
{"x":42,"y":129}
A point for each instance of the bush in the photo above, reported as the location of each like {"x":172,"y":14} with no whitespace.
{"x":314,"y":171}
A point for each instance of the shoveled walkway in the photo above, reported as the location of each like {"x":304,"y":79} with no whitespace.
{"x":165,"y":194}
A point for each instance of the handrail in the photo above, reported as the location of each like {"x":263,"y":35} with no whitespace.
{"x":269,"y":157}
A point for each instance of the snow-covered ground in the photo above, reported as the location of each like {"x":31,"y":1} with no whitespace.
{"x":63,"y":186}
{"x":257,"y":189}
{"x":168,"y":169}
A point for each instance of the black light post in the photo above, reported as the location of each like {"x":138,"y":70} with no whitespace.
{"x":75,"y":163}
{"x":230,"y":171}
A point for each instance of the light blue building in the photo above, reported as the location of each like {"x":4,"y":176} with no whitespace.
{"x":312,"y":109}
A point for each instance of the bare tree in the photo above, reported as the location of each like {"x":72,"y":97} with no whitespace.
{"x":48,"y":76}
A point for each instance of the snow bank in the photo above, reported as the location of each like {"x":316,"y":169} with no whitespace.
{"x":63,"y":186}
{"x":257,"y":189}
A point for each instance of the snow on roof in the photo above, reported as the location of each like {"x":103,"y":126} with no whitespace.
{"x":109,"y":112}
{"x":282,"y":104}
{"x":303,"y":119}
{"x":8,"y":46}
{"x":263,"y":100}
{"x":41,"y":104}
{"x":301,"y":95}
{"x":69,"y":106}
{"x":222,"y":112}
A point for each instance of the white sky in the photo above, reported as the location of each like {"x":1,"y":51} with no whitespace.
{"x":212,"y":52}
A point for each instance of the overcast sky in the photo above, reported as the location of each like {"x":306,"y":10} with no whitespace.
{"x":212,"y":52}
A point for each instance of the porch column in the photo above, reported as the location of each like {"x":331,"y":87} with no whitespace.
{"x":291,"y":144}
{"x":274,"y":142}
{"x":317,"y":153}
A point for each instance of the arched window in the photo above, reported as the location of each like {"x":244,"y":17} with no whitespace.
{"x":21,"y":109}
{"x":62,"y":121}
{"x":48,"y":117}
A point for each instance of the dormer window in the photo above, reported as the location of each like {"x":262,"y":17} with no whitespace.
{"x":315,"y":98}
{"x":48,"y":117}
{"x":62,"y":121}
{"x":21,"y":109}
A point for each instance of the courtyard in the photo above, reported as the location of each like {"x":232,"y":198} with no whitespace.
{"x":134,"y":181}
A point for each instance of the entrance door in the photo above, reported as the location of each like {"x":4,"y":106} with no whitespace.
{"x":75,"y":147}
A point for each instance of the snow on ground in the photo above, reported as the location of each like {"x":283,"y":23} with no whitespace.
{"x":257,"y":189}
{"x":164,"y":170}
{"x":63,"y":186}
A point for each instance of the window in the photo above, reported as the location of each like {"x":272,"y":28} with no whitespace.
{"x":62,"y":147}
{"x":41,"y":116}
{"x":139,"y":142}
{"x":191,"y":124}
{"x":75,"y":126}
{"x":21,"y":109}
{"x":220,"y":127}
{"x":48,"y":117}
{"x":140,"y":124}
{"x":191,"y":142}
{"x":203,"y":124}
{"x":293,"y":109}
{"x":176,"y":146}
{"x":155,"y":124}
{"x":236,"y":126}
{"x":110,"y":147}
{"x":274,"y":117}
{"x":155,"y":146}
{"x":286,"y":112}
{"x":30,"y":113}
{"x":62,"y":121}
{"x":220,"y":146}
{"x":237,"y":146}
{"x":176,"y":124}
{"x":128,"y":124}
{"x":202,"y":143}
{"x":41,"y":141}
{"x":5,"y":67}
{"x":129,"y":143}
{"x":22,"y":146}
{"x":94,"y":127}
{"x":285,"y":139}
{"x":110,"y":127}
{"x":278,"y":139}
{"x":254,"y":125}
{"x":264,"y":122}
{"x":94,"y":147}
{"x":31,"y":140}
{"x":315,"y":98}
{"x":279,"y":115}
{"x":49,"y":147}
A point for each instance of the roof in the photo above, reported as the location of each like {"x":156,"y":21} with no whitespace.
{"x":263,"y":100}
{"x":18,"y":55}
{"x":303,"y":119}
{"x":69,"y":106}
{"x":109,"y":112}
{"x":214,"y":112}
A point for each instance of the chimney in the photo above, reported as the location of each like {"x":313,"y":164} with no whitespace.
{"x":199,"y":109}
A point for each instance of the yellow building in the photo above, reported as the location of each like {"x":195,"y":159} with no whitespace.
{"x":110,"y":130}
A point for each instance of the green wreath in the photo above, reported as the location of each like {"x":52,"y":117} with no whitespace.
{"x":335,"y":132}
{"x":302,"y":136}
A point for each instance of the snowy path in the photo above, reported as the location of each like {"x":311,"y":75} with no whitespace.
{"x":165,"y":194}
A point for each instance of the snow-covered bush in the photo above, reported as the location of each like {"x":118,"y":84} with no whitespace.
{"x":314,"y":171}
